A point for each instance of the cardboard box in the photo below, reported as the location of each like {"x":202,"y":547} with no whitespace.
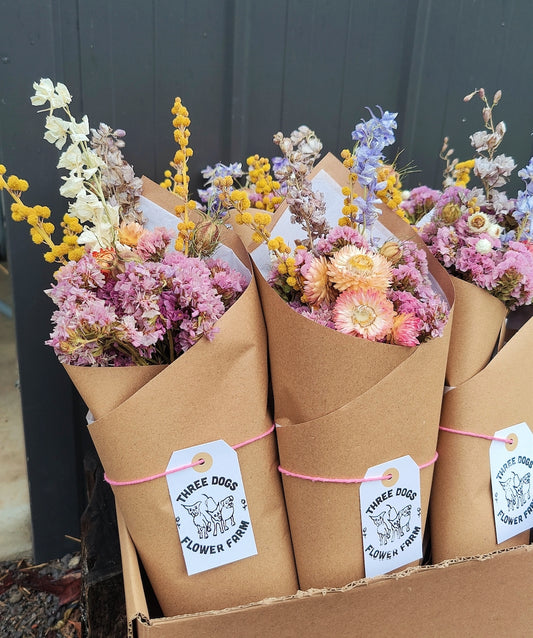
{"x":482,"y":596}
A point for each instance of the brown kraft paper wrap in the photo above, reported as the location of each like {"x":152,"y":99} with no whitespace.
{"x":478,"y":323}
{"x":342,"y":405}
{"x":216,"y":390}
{"x":501,"y":395}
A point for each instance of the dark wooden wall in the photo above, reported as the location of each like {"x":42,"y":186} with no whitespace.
{"x":245,"y":69}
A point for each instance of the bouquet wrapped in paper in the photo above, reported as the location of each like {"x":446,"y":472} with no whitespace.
{"x":357,"y":357}
{"x":462,"y":512}
{"x":167,"y":346}
{"x":483,"y":238}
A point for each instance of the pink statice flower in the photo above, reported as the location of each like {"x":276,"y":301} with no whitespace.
{"x":513,"y":276}
{"x":477,"y":265}
{"x":147,"y":311}
{"x":228,"y":282}
{"x":339,"y":237}
{"x":320,"y":314}
{"x":153,"y":244}
{"x":443,"y":242}
{"x":420,"y":201}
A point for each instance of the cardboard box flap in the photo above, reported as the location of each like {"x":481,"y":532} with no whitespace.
{"x":467,"y":596}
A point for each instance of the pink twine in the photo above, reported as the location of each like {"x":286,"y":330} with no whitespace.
{"x":323,"y":479}
{"x":477,"y":435}
{"x":185,"y":467}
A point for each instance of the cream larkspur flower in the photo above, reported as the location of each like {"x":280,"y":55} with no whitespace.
{"x":62,"y":96}
{"x":71,"y":159}
{"x":45,"y":91}
{"x":317,"y":288}
{"x":72,"y":186}
{"x":364,"y":313}
{"x":353,"y":268}
{"x":56,"y":131}
{"x":79,"y":131}
{"x":86,"y":207}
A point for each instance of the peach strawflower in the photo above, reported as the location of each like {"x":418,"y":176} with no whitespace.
{"x":130,"y":233}
{"x":365,"y":313}
{"x":353,"y":268}
{"x":316,"y":285}
{"x":405,"y":330}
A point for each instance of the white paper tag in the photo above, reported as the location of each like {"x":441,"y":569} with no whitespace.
{"x":511,"y":466}
{"x":210,"y":507}
{"x":391,"y":516}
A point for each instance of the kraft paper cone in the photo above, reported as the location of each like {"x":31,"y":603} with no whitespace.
{"x":216,"y":390}
{"x":478,"y":322}
{"x":94,"y":385}
{"x":342,"y":405}
{"x":501,"y":395}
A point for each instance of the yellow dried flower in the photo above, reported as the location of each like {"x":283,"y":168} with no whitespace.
{"x":36,"y":236}
{"x":76,"y":253}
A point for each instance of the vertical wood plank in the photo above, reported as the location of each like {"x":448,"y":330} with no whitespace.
{"x":53,"y":439}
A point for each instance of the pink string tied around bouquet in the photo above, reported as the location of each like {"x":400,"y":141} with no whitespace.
{"x":324,"y":479}
{"x":477,"y":435}
{"x":146,"y":479}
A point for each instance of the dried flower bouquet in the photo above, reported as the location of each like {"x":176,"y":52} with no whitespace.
{"x":165,"y":340}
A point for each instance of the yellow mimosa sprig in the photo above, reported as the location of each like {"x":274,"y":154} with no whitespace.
{"x":349,"y":210}
{"x":41,"y":229}
{"x":263,"y":183}
{"x":178,"y":183}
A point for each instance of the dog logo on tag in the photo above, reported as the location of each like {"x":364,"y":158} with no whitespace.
{"x":210,"y":506}
{"x":209,"y":515}
{"x":392,"y":524}
{"x":516,"y":490}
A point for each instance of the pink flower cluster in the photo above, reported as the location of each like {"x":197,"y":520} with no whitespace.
{"x":473,"y":246}
{"x":420,"y":201}
{"x":147,"y":306}
{"x":378,"y":293}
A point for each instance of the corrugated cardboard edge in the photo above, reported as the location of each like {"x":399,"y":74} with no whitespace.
{"x":417,"y":598}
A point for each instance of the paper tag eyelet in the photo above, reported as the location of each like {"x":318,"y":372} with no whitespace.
{"x":511,"y":469}
{"x":207,"y":462}
{"x":394,"y":475}
{"x":210,"y":507}
{"x":514,"y":442}
{"x":391,"y":516}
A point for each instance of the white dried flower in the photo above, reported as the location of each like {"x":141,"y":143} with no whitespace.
{"x":72,"y":186}
{"x":483,"y":246}
{"x":71,"y":159}
{"x":86,"y":207}
{"x":79,"y":131}
{"x":56,"y":130}
{"x":478,"y":222}
{"x":495,"y":230}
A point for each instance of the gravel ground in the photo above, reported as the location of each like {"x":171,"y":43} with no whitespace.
{"x":40,"y":600}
